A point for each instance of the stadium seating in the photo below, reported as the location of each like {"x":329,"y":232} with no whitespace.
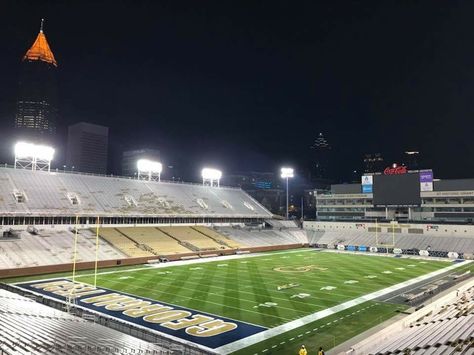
{"x":28,"y":327}
{"x":193,"y":239}
{"x":448,"y":331}
{"x":254,"y":237}
{"x":123,"y":243}
{"x":46,"y":193}
{"x":159,"y":242}
{"x":219,"y":238}
{"x":275,"y":223}
{"x":459,"y":244}
{"x":52,"y":247}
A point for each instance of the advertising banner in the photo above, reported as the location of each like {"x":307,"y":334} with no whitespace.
{"x":426,"y":176}
{"x":367,"y":182}
{"x":367,"y":189}
{"x":426,"y":180}
{"x":426,"y":186}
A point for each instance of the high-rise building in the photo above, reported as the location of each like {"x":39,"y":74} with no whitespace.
{"x":373,"y":163}
{"x":87,"y":146}
{"x":412,"y":159}
{"x":130,"y":158}
{"x":37,"y":103}
{"x":321,"y":150}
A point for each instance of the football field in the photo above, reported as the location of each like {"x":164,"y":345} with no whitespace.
{"x":273,"y":290}
{"x":247,"y":288}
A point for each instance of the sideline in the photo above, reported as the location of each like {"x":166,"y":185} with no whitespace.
{"x":256,"y":338}
{"x":180,"y":263}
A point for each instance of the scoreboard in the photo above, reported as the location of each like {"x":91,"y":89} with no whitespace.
{"x":397,"y":190}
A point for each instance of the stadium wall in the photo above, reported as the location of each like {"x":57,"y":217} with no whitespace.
{"x":432,"y":229}
{"x":89,"y":265}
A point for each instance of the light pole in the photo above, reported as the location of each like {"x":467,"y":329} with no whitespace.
{"x":286,"y":173}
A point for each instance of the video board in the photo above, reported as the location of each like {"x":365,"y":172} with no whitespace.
{"x":397,"y":190}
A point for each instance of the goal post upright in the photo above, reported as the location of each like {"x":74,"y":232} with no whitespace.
{"x":96,"y":250}
{"x":74,"y":256}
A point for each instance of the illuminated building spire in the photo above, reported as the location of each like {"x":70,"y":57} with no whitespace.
{"x":40,"y":49}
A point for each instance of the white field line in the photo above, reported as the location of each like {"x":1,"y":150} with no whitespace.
{"x":275,"y":294}
{"x":256,"y":338}
{"x":270,"y":276}
{"x":179,"y":263}
{"x":199,"y":261}
{"x":217,"y":304}
{"x":225,"y":289}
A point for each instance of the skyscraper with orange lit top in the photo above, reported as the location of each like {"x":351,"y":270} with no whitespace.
{"x":37,"y":104}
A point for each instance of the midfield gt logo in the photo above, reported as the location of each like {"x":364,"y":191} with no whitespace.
{"x":299,"y":268}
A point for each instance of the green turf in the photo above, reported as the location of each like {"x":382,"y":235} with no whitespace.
{"x":327,"y":332}
{"x":242,"y":288}
{"x":246,"y":289}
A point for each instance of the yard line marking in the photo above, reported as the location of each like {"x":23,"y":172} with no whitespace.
{"x":241,"y":291}
{"x":194,"y":261}
{"x":207,"y":301}
{"x":256,"y":338}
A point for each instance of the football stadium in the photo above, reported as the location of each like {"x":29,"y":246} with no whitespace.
{"x":141,"y":262}
{"x":97,"y":264}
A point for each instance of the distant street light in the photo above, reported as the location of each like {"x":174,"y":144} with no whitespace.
{"x":287,"y":173}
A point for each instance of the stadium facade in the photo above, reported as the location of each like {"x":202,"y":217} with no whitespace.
{"x":449,"y":201}
{"x":37,"y":103}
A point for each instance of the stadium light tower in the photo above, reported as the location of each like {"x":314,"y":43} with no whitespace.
{"x":287,"y":173}
{"x":149,"y":170}
{"x":33,"y":156}
{"x":211,"y":176}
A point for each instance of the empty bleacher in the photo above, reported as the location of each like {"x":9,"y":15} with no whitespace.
{"x":256,"y":237}
{"x":459,"y":244}
{"x":192,"y":238}
{"x":52,"y":247}
{"x":447,"y":331}
{"x":159,"y":242}
{"x":28,"y":327}
{"x":123,"y":243}
{"x":47,"y":194}
{"x":219,"y":238}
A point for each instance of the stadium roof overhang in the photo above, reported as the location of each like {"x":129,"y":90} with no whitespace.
{"x":105,"y":214}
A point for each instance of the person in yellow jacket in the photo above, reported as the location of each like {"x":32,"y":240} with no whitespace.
{"x":303,"y":351}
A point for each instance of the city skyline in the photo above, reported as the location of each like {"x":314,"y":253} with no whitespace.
{"x":37,"y":102}
{"x":258,"y":101}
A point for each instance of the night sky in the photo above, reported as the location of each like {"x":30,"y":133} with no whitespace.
{"x":248,"y":85}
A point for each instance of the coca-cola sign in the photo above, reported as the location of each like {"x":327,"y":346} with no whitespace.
{"x":395,"y":170}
